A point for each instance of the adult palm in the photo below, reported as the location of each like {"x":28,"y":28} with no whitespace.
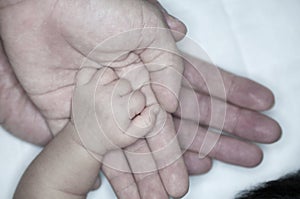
{"x":47,"y":41}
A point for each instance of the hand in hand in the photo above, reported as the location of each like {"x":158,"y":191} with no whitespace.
{"x":52,"y":38}
{"x":243,"y":121}
{"x":22,"y":118}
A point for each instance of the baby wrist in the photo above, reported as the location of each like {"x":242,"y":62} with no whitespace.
{"x":74,"y":136}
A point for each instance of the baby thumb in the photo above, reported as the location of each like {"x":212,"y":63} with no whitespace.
{"x":143,"y":123}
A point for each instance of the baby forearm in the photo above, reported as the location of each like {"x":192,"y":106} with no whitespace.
{"x":64,"y":169}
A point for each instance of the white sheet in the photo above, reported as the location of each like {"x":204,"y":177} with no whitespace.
{"x":254,"y":38}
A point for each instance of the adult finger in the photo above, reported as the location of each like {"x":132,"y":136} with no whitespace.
{"x":128,"y":175}
{"x":163,"y":61}
{"x":164,"y":156}
{"x":239,"y":91}
{"x":168,"y":157}
{"x":144,"y":185}
{"x":145,"y":172}
{"x":116,"y":169}
{"x":227,"y":149}
{"x":165,"y":76}
{"x":196,"y":165}
{"x":177,"y":27}
{"x":238,"y":121}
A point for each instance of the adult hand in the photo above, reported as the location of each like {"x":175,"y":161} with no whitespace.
{"x":243,"y":121}
{"x":246,"y":97}
{"x":48,"y":42}
{"x":20,"y":116}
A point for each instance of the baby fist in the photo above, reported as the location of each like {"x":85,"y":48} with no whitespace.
{"x":107,"y":113}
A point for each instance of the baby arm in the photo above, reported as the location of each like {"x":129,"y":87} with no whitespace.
{"x":64,"y":169}
{"x":69,"y":165}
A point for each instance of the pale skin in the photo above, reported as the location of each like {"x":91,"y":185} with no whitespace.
{"x":69,"y":165}
{"x":107,"y":113}
{"x":62,"y":42}
{"x":27,"y":121}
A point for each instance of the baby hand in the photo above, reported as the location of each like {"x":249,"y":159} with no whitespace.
{"x":107,"y":113}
